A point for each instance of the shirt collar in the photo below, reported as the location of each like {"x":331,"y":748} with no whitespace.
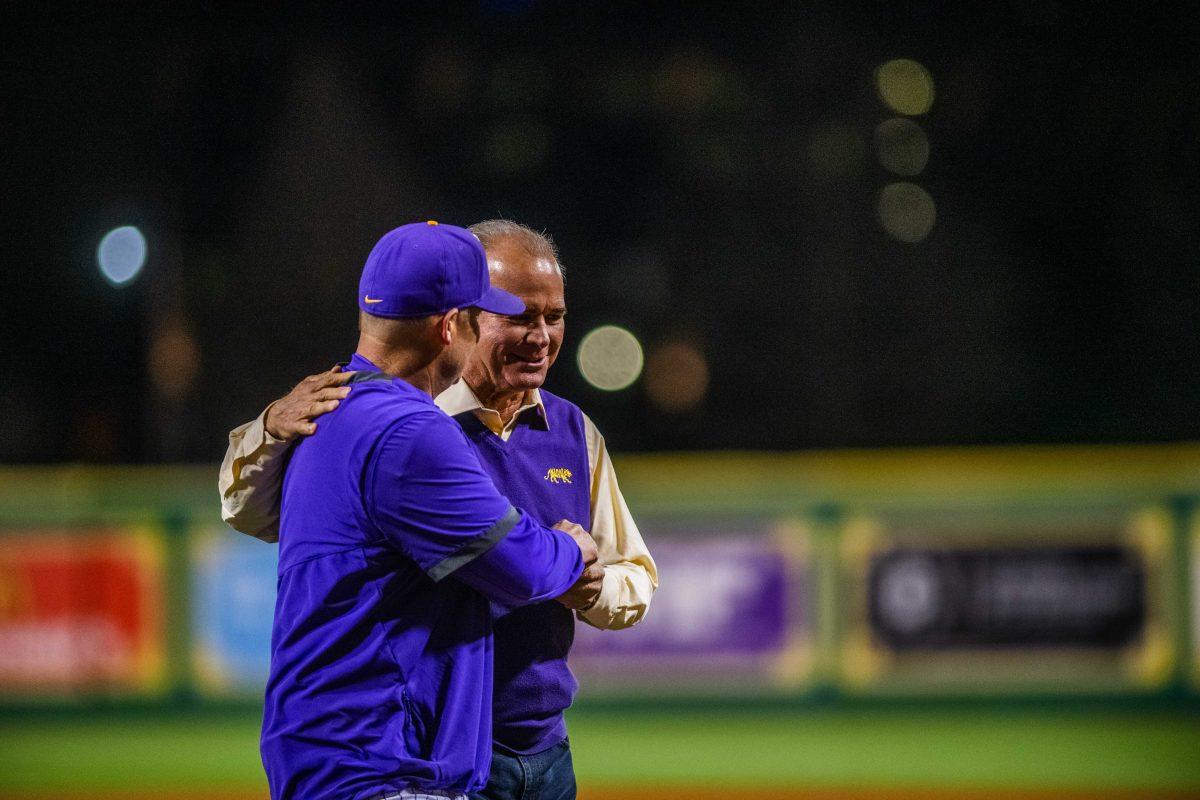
{"x":459,"y":399}
{"x":358,"y":362}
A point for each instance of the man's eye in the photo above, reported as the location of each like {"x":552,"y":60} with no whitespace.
{"x":554,"y":319}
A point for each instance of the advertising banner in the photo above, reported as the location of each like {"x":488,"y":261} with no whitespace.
{"x":81,"y":612}
{"x":1195,"y":573}
{"x":734,"y":612}
{"x":1003,"y":602}
{"x":233,"y":605}
{"x":941,"y":598}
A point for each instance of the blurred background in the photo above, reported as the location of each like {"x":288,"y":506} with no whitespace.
{"x":888,"y":310}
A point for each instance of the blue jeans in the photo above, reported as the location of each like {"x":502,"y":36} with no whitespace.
{"x":548,"y":775}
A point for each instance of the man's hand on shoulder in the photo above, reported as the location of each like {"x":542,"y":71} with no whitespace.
{"x":293,"y":414}
{"x":585,"y":590}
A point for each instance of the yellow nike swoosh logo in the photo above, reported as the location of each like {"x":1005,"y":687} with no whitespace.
{"x":369,"y":299}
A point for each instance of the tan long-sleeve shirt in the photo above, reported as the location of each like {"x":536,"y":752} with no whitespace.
{"x":252,"y":477}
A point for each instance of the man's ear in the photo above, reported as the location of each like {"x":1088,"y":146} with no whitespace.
{"x":446,"y":326}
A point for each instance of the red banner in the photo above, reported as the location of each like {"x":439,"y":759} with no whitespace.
{"x":81,"y":611}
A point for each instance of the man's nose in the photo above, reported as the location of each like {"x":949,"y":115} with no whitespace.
{"x":539,"y":333}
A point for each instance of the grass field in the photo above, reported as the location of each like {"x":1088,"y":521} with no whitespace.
{"x":698,"y":754}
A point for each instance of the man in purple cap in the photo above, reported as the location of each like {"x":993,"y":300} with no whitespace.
{"x":394,"y":544}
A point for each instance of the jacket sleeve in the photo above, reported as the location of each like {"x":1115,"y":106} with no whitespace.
{"x":431,"y":498}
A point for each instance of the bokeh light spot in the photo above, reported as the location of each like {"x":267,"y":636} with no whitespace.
{"x":174,"y":359}
{"x":121,"y":254}
{"x":610,"y":358}
{"x":905,"y":86}
{"x":677,"y":377}
{"x":906,"y":212}
{"x":902,"y":146}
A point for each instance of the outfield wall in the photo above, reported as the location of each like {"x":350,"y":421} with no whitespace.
{"x":956,"y":575}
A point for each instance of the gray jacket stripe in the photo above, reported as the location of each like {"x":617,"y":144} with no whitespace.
{"x":477,"y":546}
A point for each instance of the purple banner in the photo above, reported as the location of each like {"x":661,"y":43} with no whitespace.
{"x":732,"y":609}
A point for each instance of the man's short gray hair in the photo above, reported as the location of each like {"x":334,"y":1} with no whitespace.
{"x":537,"y":245}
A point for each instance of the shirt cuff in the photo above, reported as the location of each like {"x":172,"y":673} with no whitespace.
{"x":601,"y":613}
{"x":267,"y":438}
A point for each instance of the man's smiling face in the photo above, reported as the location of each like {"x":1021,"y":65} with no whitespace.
{"x":515,"y":353}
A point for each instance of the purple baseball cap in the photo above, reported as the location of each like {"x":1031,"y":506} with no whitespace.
{"x":425,"y":268}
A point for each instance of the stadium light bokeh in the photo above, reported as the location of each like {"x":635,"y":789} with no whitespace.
{"x":906,"y":212}
{"x":610,"y":358}
{"x":902,"y":146}
{"x":121,"y":255}
{"x":905,"y":86}
{"x":677,"y":377}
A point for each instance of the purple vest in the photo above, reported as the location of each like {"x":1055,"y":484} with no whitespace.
{"x":542,"y":469}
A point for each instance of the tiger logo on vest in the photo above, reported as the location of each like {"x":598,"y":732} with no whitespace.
{"x":558,"y":475}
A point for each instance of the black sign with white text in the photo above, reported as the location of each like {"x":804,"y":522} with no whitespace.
{"x":1018,"y":596}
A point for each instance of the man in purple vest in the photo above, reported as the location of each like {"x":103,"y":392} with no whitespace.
{"x":543,"y":453}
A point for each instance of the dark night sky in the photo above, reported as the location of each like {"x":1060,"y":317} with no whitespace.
{"x":710,"y":177}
